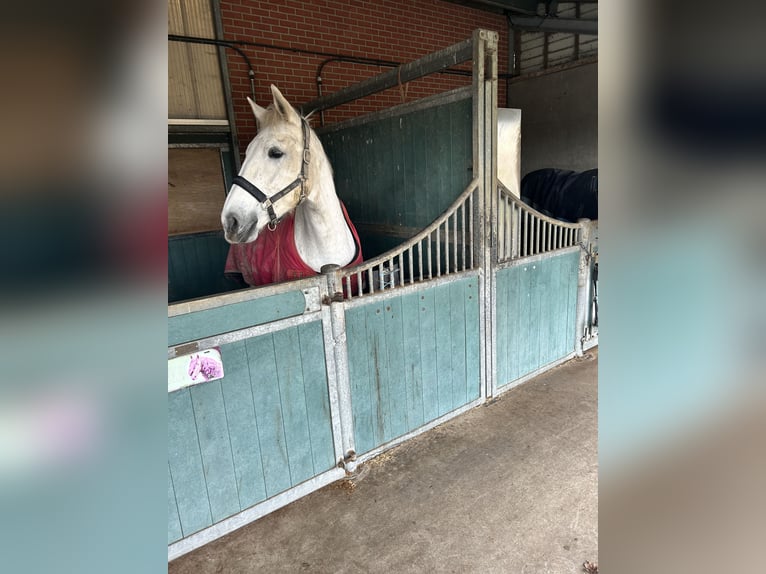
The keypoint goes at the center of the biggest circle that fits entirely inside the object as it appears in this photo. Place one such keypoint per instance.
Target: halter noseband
(268, 202)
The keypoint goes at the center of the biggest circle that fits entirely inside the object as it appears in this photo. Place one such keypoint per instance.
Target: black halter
(268, 202)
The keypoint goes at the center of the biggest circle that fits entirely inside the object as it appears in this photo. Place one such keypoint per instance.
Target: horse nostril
(232, 223)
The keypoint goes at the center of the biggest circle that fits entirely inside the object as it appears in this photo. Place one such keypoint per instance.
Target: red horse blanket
(273, 257)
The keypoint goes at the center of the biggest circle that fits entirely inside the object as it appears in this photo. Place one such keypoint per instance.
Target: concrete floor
(508, 487)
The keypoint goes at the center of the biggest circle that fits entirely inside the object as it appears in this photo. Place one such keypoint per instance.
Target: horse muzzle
(237, 231)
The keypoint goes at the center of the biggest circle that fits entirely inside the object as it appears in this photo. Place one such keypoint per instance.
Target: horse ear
(284, 108)
(258, 111)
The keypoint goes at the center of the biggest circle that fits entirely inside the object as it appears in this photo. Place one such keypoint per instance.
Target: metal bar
(470, 225)
(535, 258)
(583, 286)
(248, 333)
(429, 64)
(454, 242)
(438, 252)
(462, 227)
(342, 381)
(242, 295)
(538, 236)
(565, 25)
(420, 258)
(430, 249)
(409, 260)
(371, 278)
(446, 246)
(428, 102)
(526, 233)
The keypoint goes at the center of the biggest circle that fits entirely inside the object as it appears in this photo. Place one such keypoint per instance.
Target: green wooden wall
(403, 170)
(412, 359)
(536, 305)
(195, 265)
(262, 429)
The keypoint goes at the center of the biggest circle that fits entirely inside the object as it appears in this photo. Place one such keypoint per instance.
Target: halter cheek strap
(268, 202)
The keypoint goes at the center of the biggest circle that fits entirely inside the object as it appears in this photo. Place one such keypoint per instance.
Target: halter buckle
(306, 156)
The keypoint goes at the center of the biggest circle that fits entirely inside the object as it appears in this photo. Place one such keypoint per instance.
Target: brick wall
(393, 30)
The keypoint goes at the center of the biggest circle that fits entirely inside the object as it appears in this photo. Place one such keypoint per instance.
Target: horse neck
(322, 235)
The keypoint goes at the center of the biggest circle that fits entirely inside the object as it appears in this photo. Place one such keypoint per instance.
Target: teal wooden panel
(185, 463)
(473, 341)
(213, 433)
(428, 366)
(268, 412)
(379, 373)
(531, 319)
(199, 324)
(359, 374)
(442, 312)
(174, 523)
(412, 360)
(242, 424)
(547, 332)
(263, 428)
(535, 315)
(457, 331)
(505, 338)
(293, 400)
(317, 395)
(573, 259)
(397, 385)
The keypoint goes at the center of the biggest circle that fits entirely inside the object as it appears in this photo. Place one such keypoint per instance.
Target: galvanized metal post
(583, 285)
(485, 167)
(341, 380)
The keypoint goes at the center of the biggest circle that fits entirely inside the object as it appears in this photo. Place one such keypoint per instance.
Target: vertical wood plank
(457, 329)
(473, 340)
(293, 400)
(378, 366)
(428, 366)
(561, 312)
(213, 433)
(503, 343)
(317, 395)
(443, 348)
(527, 328)
(174, 523)
(185, 463)
(552, 311)
(395, 381)
(544, 318)
(574, 261)
(268, 412)
(359, 373)
(412, 360)
(516, 310)
(243, 428)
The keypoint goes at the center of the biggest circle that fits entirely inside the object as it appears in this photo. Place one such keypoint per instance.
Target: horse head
(273, 178)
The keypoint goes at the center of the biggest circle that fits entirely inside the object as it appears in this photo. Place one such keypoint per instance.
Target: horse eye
(275, 153)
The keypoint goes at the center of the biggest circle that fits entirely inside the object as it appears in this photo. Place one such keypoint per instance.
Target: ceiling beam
(543, 24)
